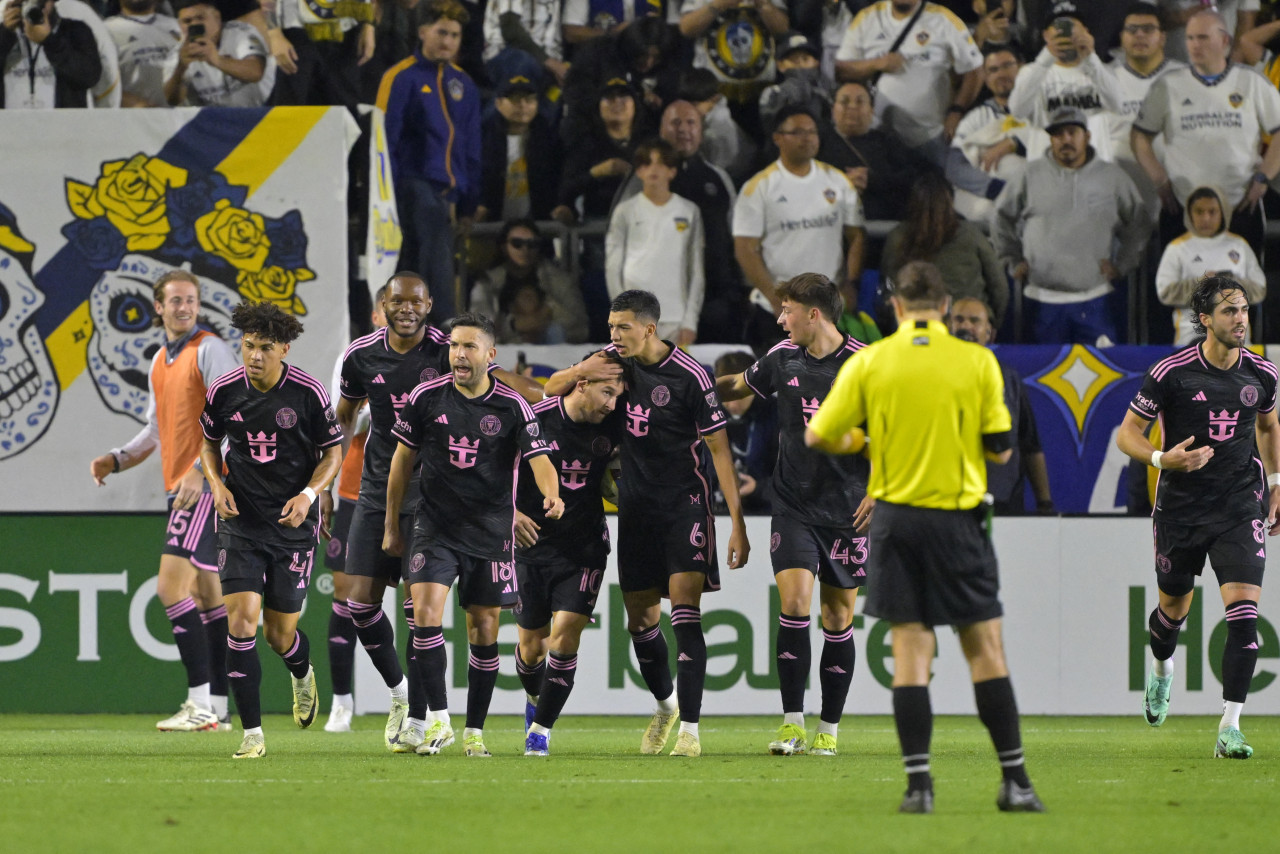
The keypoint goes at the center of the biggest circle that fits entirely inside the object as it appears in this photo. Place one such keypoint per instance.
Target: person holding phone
(48, 61)
(218, 64)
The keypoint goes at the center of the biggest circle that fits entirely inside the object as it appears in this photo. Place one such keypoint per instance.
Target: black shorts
(335, 553)
(365, 556)
(837, 556)
(190, 534)
(277, 572)
(559, 586)
(935, 567)
(482, 582)
(1236, 550)
(652, 548)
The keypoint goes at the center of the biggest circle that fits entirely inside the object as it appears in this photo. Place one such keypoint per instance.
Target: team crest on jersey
(456, 89)
(329, 414)
(660, 396)
(682, 223)
(638, 420)
(418, 562)
(712, 400)
(222, 558)
(261, 446)
(491, 424)
(1249, 395)
(286, 418)
(922, 38)
(463, 453)
(1235, 99)
(601, 446)
(1234, 256)
(830, 196)
(427, 375)
(1222, 425)
(740, 48)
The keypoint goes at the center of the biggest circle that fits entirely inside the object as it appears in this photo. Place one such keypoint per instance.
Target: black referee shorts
(935, 567)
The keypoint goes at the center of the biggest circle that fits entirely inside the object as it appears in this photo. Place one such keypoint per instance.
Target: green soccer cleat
(473, 745)
(792, 740)
(305, 698)
(1155, 702)
(438, 736)
(654, 740)
(395, 724)
(253, 747)
(687, 744)
(824, 744)
(1231, 745)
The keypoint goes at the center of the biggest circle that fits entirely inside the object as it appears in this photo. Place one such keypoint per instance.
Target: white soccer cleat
(396, 722)
(190, 718)
(339, 720)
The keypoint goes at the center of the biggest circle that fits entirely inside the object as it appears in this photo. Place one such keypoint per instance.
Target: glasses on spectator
(522, 242)
(1141, 29)
(799, 132)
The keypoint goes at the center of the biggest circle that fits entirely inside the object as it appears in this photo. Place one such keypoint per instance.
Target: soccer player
(285, 445)
(181, 372)
(560, 563)
(469, 430)
(932, 563)
(1211, 499)
(819, 506)
(666, 530)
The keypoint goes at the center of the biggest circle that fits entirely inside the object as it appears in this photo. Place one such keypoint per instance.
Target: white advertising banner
(1076, 593)
(94, 206)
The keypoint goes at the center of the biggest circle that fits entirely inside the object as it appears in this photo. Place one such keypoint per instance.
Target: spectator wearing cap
(522, 37)
(646, 54)
(433, 136)
(520, 156)
(915, 94)
(879, 164)
(1103, 18)
(1066, 228)
(800, 81)
(47, 64)
(597, 163)
(1068, 73)
(734, 39)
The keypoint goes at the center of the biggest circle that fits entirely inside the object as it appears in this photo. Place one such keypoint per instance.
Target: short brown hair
(157, 290)
(813, 290)
(666, 153)
(452, 10)
(266, 320)
(920, 287)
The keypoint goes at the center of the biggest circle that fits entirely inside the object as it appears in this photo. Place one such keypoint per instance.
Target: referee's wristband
(1155, 459)
(1273, 480)
(310, 493)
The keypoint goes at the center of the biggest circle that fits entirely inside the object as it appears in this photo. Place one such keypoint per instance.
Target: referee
(933, 407)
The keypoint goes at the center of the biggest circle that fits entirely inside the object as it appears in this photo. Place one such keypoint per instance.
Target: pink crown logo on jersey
(398, 401)
(638, 420)
(463, 453)
(261, 446)
(810, 406)
(1222, 425)
(573, 473)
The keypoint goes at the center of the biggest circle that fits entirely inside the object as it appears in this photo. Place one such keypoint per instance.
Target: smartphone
(1065, 27)
(195, 31)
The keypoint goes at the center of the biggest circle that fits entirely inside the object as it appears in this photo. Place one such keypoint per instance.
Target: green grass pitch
(99, 783)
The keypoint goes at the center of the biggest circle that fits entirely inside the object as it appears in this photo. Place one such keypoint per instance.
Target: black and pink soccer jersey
(809, 486)
(1193, 398)
(274, 442)
(580, 452)
(372, 369)
(470, 450)
(668, 408)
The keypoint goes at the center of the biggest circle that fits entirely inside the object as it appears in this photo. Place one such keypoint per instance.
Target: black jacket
(73, 52)
(892, 168)
(542, 157)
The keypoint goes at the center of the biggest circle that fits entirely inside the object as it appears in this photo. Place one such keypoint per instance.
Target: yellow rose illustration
(131, 195)
(236, 235)
(275, 285)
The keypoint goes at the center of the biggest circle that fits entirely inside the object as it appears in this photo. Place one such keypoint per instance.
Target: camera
(33, 11)
(195, 31)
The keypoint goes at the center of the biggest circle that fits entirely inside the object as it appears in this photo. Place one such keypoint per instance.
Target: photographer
(217, 64)
(49, 62)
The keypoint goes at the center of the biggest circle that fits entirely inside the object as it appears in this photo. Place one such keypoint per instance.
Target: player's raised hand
(862, 516)
(739, 548)
(1182, 458)
(526, 531)
(554, 507)
(295, 511)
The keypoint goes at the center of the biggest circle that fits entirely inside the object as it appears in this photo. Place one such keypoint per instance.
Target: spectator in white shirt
(218, 64)
(144, 40)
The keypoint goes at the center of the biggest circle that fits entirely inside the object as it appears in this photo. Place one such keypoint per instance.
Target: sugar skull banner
(94, 207)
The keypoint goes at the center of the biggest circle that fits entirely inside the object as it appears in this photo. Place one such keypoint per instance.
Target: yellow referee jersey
(926, 398)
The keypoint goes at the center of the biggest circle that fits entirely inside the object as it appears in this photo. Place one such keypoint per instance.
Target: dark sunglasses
(523, 242)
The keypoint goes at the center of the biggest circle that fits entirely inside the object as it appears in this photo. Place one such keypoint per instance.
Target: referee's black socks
(998, 712)
(913, 715)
